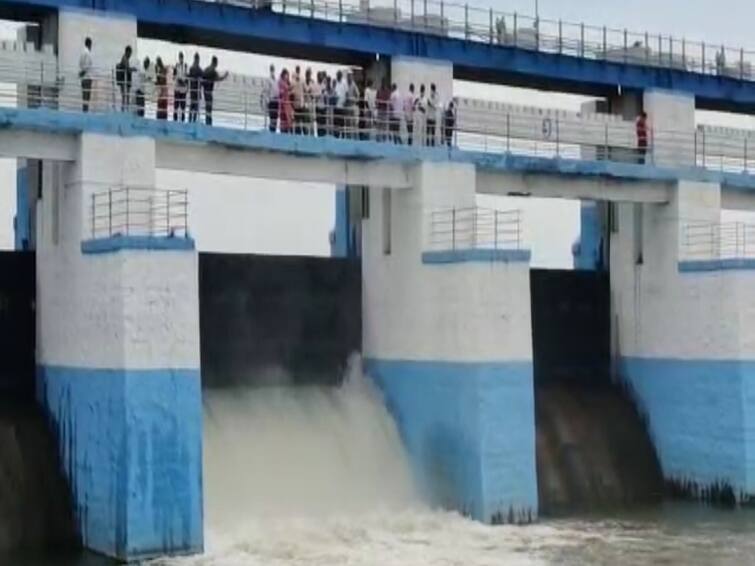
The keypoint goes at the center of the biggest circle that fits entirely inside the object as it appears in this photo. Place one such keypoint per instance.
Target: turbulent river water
(318, 477)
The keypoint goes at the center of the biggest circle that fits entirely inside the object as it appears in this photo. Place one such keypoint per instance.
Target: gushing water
(306, 476)
(302, 452)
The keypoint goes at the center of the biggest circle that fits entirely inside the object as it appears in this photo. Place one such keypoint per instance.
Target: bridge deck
(352, 40)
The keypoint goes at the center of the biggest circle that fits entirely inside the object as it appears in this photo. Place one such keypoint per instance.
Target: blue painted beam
(236, 27)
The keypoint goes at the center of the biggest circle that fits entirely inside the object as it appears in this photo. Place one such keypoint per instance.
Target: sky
(261, 216)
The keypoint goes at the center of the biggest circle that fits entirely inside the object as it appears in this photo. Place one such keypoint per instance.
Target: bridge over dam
(447, 311)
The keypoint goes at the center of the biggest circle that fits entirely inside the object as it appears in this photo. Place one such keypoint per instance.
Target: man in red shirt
(642, 137)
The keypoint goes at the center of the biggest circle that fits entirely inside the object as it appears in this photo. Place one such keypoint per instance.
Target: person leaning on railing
(209, 78)
(124, 71)
(269, 102)
(642, 137)
(449, 123)
(141, 82)
(180, 89)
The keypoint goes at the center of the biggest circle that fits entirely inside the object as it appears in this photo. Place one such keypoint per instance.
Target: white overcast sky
(256, 216)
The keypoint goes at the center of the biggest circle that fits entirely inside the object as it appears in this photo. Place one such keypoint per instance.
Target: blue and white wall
(118, 360)
(684, 336)
(450, 345)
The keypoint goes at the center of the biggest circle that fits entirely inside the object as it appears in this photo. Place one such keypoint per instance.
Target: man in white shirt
(370, 101)
(142, 78)
(86, 65)
(269, 101)
(180, 88)
(342, 91)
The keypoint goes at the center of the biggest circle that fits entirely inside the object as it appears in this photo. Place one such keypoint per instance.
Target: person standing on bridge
(180, 88)
(195, 86)
(410, 102)
(123, 74)
(297, 92)
(143, 78)
(433, 104)
(161, 84)
(341, 91)
(209, 78)
(449, 123)
(286, 105)
(85, 74)
(642, 137)
(270, 101)
(397, 109)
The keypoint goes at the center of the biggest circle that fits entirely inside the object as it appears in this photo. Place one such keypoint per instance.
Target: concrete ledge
(152, 243)
(698, 266)
(469, 428)
(476, 256)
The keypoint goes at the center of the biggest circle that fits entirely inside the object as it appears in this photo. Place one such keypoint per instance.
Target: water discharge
(302, 451)
(308, 476)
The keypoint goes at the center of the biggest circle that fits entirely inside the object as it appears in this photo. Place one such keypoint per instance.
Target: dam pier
(437, 293)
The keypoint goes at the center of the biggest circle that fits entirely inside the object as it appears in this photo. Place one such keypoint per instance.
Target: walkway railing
(139, 211)
(476, 125)
(462, 21)
(475, 228)
(716, 241)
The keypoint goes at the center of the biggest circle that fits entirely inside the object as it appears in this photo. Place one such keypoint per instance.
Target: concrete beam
(38, 145)
(221, 160)
(732, 199)
(571, 187)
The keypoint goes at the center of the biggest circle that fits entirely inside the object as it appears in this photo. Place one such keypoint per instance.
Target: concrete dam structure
(494, 375)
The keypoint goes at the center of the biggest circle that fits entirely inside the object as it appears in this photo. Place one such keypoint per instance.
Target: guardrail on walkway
(475, 228)
(476, 125)
(702, 241)
(139, 211)
(462, 21)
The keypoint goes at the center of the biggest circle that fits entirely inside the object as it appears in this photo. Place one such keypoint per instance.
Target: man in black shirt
(123, 74)
(210, 77)
(195, 81)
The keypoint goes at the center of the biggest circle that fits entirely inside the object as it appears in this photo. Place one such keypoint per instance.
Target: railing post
(453, 229)
(695, 147)
(167, 215)
(745, 153)
(605, 42)
(582, 40)
(110, 213)
(424, 17)
(128, 216)
(703, 60)
(442, 17)
(186, 213)
(537, 33)
(670, 52)
(246, 111)
(340, 11)
(626, 46)
(605, 145)
(558, 138)
(312, 8)
(704, 141)
(742, 64)
(466, 21)
(684, 54)
(94, 202)
(560, 37)
(508, 132)
(660, 49)
(412, 14)
(492, 30)
(395, 11)
(495, 229)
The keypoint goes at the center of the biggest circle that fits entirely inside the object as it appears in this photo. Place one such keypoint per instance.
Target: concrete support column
(118, 356)
(685, 336)
(447, 336)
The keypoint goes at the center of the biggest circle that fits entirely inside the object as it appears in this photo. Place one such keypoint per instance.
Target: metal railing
(139, 211)
(475, 228)
(715, 241)
(476, 125)
(462, 21)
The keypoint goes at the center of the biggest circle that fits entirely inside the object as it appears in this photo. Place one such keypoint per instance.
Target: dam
(426, 363)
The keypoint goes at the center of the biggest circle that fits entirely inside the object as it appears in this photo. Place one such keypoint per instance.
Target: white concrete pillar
(672, 122)
(685, 341)
(118, 358)
(447, 336)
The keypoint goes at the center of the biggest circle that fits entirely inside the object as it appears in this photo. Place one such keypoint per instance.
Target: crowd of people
(321, 105)
(136, 80)
(299, 103)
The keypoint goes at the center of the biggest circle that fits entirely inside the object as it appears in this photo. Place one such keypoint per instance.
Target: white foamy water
(305, 476)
